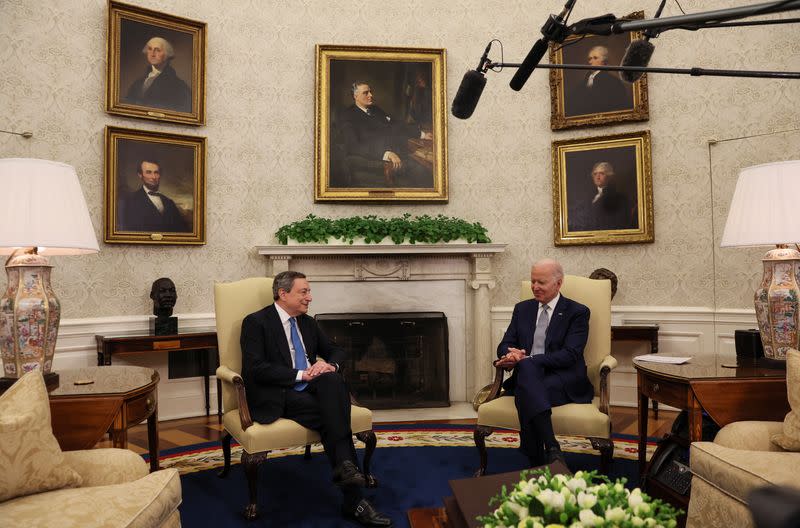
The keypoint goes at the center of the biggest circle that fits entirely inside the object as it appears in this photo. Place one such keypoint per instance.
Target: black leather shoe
(366, 514)
(347, 474)
(554, 454)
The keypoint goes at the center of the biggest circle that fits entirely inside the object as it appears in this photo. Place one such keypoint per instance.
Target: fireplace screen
(395, 360)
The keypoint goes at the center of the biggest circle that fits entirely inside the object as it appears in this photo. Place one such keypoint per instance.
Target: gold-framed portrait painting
(581, 98)
(381, 124)
(155, 187)
(603, 190)
(156, 65)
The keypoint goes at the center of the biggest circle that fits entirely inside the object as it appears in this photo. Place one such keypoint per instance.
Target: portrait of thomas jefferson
(602, 190)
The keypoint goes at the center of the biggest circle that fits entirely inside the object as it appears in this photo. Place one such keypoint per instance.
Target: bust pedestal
(164, 325)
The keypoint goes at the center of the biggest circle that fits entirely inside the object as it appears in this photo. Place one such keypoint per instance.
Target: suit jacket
(563, 345)
(137, 213)
(611, 211)
(266, 362)
(369, 136)
(607, 94)
(166, 91)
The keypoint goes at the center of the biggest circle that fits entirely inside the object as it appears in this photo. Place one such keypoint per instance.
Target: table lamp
(764, 212)
(42, 212)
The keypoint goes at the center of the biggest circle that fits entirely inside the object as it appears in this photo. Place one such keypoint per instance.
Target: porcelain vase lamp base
(776, 303)
(29, 317)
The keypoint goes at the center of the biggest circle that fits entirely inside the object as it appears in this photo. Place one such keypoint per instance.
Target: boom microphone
(468, 94)
(554, 30)
(529, 64)
(638, 53)
(471, 88)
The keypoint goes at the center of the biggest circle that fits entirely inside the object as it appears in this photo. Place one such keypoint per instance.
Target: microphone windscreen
(469, 92)
(534, 56)
(638, 53)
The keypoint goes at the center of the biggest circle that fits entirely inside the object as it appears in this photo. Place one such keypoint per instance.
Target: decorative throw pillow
(31, 460)
(790, 438)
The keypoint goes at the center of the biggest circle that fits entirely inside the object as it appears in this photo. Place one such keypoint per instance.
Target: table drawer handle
(655, 387)
(150, 404)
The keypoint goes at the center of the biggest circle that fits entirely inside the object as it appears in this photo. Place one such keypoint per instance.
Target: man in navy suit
(544, 346)
(291, 370)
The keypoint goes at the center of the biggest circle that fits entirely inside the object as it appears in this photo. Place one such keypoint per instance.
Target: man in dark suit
(544, 345)
(599, 91)
(290, 369)
(146, 209)
(160, 86)
(375, 146)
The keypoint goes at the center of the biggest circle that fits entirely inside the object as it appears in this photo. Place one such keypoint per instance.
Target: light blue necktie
(541, 332)
(300, 362)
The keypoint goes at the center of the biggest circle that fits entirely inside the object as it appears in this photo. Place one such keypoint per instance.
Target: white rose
(619, 488)
(519, 509)
(635, 499)
(615, 514)
(575, 484)
(558, 502)
(586, 500)
(546, 497)
(588, 518)
(636, 521)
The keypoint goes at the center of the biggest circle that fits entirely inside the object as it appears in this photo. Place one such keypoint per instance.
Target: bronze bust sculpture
(164, 297)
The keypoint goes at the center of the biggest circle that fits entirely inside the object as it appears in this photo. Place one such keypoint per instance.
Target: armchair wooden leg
(370, 441)
(480, 434)
(606, 448)
(226, 455)
(250, 464)
(307, 454)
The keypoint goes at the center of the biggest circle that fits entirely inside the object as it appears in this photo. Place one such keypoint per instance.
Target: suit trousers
(535, 392)
(324, 406)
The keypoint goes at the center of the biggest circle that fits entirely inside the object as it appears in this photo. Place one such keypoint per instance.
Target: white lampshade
(764, 209)
(42, 205)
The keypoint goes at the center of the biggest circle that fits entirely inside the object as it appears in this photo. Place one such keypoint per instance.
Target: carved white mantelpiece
(451, 278)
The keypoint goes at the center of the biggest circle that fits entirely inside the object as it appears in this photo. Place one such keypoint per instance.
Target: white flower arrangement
(585, 499)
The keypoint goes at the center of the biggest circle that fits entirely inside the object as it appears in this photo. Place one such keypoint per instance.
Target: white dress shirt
(287, 329)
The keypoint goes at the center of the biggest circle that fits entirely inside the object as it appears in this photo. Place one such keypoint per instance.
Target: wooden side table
(638, 332)
(91, 401)
(109, 345)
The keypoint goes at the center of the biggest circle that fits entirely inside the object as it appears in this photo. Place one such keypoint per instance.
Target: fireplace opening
(395, 360)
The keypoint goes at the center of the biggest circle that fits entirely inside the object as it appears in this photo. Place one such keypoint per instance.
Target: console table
(144, 341)
(91, 401)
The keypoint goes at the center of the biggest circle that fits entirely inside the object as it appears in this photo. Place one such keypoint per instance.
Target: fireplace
(396, 360)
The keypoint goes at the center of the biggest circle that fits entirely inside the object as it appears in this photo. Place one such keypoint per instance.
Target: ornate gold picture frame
(582, 98)
(603, 190)
(381, 124)
(155, 188)
(156, 66)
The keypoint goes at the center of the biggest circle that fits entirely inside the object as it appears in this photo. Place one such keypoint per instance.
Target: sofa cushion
(790, 438)
(146, 502)
(31, 460)
(736, 471)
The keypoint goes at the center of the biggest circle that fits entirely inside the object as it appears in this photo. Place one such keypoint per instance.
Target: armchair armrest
(606, 366)
(497, 384)
(226, 375)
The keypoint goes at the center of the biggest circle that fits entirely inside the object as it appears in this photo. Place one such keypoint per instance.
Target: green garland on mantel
(372, 229)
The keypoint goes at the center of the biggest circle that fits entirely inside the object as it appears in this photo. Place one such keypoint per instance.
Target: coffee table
(91, 401)
(470, 499)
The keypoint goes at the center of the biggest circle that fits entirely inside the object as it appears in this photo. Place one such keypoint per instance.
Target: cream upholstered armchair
(42, 486)
(590, 419)
(744, 456)
(232, 303)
